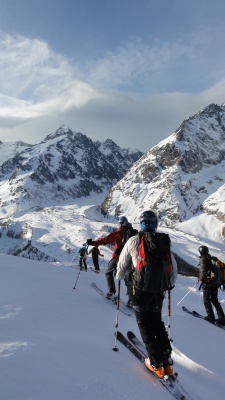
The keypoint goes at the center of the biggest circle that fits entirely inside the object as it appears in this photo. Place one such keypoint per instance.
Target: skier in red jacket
(118, 238)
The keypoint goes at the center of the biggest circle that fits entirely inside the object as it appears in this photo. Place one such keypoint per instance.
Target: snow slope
(56, 343)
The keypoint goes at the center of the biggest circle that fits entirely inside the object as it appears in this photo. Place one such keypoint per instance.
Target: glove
(89, 242)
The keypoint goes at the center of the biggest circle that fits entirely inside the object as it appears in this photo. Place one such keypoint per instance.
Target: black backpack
(154, 267)
(82, 252)
(127, 234)
(215, 276)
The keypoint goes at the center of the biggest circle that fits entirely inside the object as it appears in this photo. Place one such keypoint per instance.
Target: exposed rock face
(180, 177)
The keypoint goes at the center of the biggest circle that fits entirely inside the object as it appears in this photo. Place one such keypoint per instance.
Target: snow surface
(56, 342)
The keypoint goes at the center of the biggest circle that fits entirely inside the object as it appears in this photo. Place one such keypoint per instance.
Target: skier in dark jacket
(95, 253)
(82, 256)
(210, 289)
(118, 238)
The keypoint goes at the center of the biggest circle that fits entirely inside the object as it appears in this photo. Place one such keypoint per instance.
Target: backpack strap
(142, 256)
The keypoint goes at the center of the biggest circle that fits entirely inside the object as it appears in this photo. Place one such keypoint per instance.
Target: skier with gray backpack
(155, 272)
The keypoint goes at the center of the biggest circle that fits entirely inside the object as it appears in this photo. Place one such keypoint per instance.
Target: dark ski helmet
(203, 250)
(148, 221)
(123, 221)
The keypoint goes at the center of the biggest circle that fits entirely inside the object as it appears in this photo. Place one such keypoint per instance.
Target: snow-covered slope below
(56, 343)
(56, 233)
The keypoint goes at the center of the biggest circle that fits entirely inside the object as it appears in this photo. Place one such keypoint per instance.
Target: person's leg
(218, 307)
(96, 264)
(149, 338)
(208, 306)
(110, 276)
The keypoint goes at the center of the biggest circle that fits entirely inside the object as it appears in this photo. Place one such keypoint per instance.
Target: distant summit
(66, 165)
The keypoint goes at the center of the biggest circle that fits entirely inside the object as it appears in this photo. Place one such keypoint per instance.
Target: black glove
(89, 242)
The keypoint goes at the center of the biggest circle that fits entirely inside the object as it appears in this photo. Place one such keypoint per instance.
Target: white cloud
(41, 90)
(28, 67)
(184, 62)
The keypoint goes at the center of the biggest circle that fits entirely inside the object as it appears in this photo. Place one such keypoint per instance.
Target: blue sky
(131, 70)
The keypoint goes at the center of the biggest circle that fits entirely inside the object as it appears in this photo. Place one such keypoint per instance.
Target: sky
(129, 70)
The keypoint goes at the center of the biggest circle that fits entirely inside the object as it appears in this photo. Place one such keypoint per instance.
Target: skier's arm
(99, 253)
(128, 257)
(109, 239)
(204, 272)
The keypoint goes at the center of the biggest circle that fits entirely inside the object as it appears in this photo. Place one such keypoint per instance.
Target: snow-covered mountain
(48, 189)
(11, 149)
(64, 166)
(37, 180)
(179, 178)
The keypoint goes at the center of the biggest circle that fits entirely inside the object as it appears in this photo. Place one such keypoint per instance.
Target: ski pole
(117, 317)
(76, 280)
(187, 294)
(169, 314)
(73, 259)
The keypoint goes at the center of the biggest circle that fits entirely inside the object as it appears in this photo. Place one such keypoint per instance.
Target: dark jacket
(95, 252)
(206, 272)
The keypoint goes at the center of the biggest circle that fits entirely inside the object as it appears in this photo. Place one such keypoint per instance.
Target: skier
(118, 238)
(95, 252)
(147, 301)
(82, 256)
(210, 288)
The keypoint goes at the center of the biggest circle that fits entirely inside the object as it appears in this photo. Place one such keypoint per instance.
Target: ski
(94, 270)
(197, 315)
(169, 382)
(122, 306)
(133, 338)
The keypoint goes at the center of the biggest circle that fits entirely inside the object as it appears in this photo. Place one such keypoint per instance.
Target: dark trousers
(95, 262)
(211, 297)
(148, 310)
(83, 260)
(110, 275)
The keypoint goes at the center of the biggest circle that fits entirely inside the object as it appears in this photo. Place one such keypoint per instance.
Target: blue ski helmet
(123, 221)
(84, 245)
(148, 221)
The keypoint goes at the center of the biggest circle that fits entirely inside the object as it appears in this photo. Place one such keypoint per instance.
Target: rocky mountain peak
(176, 177)
(66, 165)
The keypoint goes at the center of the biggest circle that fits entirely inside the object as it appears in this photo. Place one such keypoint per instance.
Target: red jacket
(115, 238)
